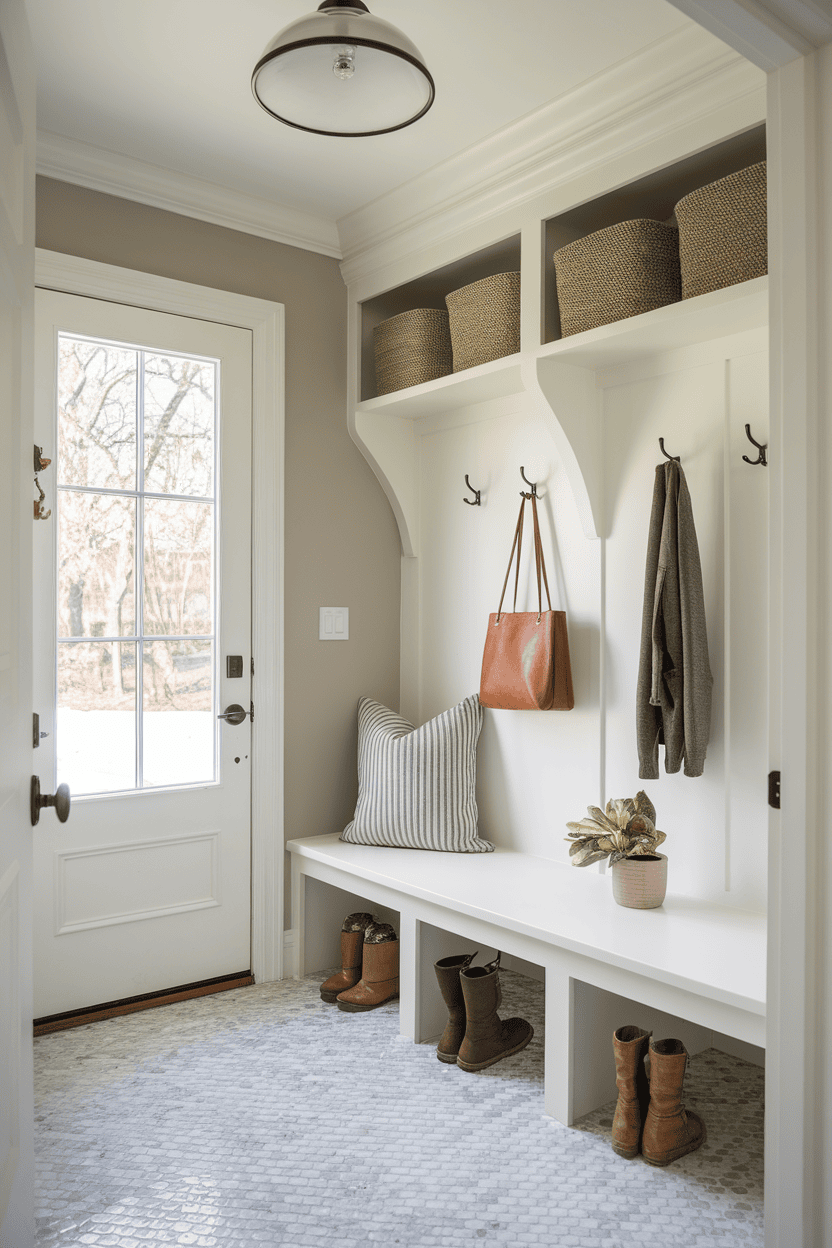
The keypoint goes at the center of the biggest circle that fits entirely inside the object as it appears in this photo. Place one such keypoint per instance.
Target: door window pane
(96, 718)
(179, 724)
(96, 414)
(179, 426)
(178, 561)
(96, 541)
(138, 713)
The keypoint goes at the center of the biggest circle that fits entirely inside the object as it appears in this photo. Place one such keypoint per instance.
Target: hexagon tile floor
(265, 1117)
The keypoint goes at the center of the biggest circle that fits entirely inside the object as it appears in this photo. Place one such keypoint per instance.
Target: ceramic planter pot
(640, 883)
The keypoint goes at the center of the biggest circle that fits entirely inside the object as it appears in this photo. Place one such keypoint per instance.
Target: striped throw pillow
(417, 786)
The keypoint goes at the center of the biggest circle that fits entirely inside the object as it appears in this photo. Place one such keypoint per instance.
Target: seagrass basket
(620, 271)
(485, 320)
(412, 347)
(723, 237)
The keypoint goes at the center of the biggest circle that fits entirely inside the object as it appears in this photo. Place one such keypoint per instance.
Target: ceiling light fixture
(343, 72)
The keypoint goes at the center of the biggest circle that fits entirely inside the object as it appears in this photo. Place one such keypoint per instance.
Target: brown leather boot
(352, 939)
(379, 972)
(670, 1130)
(630, 1048)
(447, 972)
(487, 1038)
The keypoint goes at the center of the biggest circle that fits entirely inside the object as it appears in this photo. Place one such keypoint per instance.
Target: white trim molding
(769, 35)
(290, 953)
(74, 275)
(209, 842)
(680, 80)
(68, 160)
(799, 1022)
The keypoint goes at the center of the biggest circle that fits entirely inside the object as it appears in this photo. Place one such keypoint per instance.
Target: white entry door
(142, 639)
(17, 257)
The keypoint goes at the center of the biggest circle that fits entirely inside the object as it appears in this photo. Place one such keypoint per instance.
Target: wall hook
(528, 482)
(676, 458)
(40, 514)
(40, 464)
(761, 458)
(475, 502)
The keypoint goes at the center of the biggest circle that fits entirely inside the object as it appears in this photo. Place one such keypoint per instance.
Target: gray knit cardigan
(673, 700)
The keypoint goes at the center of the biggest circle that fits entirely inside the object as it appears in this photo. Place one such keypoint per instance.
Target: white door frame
(790, 39)
(78, 276)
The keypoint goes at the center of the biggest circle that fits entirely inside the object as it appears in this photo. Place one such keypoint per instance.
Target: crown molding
(769, 35)
(686, 77)
(69, 160)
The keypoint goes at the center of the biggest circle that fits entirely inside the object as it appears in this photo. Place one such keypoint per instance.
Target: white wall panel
(539, 769)
(536, 769)
(716, 824)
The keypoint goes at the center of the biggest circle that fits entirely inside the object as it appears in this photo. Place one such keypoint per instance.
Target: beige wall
(342, 547)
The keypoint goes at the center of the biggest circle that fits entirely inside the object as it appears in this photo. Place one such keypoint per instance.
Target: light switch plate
(334, 624)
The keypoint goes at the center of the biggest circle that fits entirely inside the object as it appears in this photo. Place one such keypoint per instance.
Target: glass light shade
(341, 71)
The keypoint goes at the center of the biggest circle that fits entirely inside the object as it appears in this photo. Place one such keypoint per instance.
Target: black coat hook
(676, 458)
(528, 482)
(475, 502)
(761, 458)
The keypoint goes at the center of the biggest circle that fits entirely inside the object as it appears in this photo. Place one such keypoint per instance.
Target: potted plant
(627, 835)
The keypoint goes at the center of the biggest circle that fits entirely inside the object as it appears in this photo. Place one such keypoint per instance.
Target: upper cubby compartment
(429, 291)
(654, 196)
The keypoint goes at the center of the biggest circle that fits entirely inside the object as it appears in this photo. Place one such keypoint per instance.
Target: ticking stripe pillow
(417, 786)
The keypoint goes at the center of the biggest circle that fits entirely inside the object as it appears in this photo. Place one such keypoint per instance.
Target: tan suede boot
(379, 971)
(630, 1048)
(352, 940)
(447, 972)
(488, 1039)
(670, 1131)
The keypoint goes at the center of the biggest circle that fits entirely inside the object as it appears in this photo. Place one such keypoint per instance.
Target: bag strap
(516, 544)
(540, 563)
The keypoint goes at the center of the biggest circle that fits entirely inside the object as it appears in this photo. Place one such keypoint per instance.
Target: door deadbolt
(60, 799)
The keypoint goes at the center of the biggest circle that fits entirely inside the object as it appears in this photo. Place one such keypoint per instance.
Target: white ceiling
(167, 82)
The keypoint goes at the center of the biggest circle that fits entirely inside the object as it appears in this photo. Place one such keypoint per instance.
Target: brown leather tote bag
(525, 663)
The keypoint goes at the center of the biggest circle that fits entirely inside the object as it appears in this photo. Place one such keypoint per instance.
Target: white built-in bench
(693, 960)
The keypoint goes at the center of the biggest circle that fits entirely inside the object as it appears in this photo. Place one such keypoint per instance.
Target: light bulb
(343, 66)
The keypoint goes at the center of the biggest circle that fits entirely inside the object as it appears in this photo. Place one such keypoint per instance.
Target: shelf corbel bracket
(389, 445)
(569, 402)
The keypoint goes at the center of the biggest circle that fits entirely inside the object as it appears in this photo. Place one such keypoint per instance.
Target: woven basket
(485, 320)
(620, 271)
(412, 347)
(722, 232)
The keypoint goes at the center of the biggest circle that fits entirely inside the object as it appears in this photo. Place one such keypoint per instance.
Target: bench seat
(692, 959)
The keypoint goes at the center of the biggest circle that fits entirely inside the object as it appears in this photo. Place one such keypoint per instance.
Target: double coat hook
(530, 484)
(761, 458)
(475, 501)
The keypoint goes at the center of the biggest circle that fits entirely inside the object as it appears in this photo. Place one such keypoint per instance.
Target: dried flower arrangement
(627, 830)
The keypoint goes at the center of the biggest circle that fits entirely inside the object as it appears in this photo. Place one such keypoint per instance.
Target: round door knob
(60, 799)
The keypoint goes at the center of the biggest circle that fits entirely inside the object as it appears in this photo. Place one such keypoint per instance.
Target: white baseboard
(290, 953)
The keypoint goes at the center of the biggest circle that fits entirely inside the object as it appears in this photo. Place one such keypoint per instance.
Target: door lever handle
(60, 799)
(235, 714)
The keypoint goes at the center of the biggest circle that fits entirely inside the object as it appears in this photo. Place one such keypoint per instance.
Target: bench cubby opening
(327, 907)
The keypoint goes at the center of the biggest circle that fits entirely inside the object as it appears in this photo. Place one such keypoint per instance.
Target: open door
(17, 264)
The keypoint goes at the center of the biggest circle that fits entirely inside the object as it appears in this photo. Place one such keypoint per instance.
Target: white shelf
(560, 379)
(715, 315)
(494, 380)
